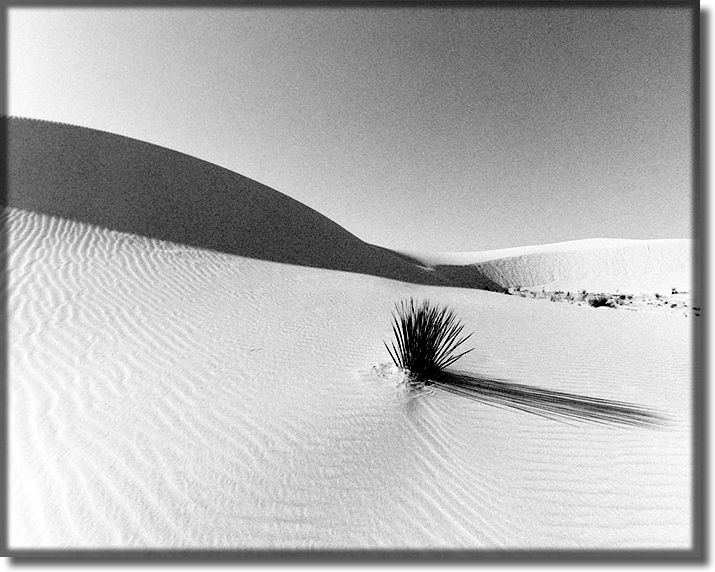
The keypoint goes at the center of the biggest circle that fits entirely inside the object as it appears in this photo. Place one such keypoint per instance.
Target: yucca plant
(426, 338)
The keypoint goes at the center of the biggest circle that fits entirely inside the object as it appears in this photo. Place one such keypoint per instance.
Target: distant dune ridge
(128, 185)
(601, 264)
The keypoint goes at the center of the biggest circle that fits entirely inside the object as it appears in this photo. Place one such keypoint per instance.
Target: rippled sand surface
(163, 396)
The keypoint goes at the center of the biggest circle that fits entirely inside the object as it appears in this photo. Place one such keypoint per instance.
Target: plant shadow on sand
(427, 338)
(554, 405)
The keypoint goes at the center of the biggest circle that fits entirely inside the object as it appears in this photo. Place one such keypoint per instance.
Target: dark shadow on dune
(468, 276)
(127, 185)
(554, 405)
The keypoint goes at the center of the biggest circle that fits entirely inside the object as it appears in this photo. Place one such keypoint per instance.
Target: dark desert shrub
(600, 301)
(426, 338)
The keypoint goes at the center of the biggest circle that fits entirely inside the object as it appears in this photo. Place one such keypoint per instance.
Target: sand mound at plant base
(165, 396)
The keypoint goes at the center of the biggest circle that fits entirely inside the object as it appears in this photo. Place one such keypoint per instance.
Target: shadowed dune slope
(456, 276)
(131, 186)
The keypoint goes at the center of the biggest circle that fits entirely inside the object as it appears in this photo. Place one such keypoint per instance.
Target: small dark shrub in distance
(426, 338)
(600, 301)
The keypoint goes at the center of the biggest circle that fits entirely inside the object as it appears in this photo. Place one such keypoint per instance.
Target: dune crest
(123, 184)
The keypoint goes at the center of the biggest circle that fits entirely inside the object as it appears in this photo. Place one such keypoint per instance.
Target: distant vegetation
(677, 301)
(600, 302)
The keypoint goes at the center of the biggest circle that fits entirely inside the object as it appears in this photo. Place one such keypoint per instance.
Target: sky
(418, 129)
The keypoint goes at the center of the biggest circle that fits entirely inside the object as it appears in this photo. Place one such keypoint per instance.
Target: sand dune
(165, 396)
(594, 265)
(196, 361)
(128, 185)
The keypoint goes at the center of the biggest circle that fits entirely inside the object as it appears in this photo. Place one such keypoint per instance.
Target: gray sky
(414, 128)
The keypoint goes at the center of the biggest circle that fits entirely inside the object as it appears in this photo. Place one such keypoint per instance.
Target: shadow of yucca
(427, 338)
(546, 403)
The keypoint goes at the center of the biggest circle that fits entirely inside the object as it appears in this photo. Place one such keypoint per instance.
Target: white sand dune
(164, 395)
(594, 265)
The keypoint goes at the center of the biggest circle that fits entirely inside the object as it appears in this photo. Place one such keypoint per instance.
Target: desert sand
(196, 361)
